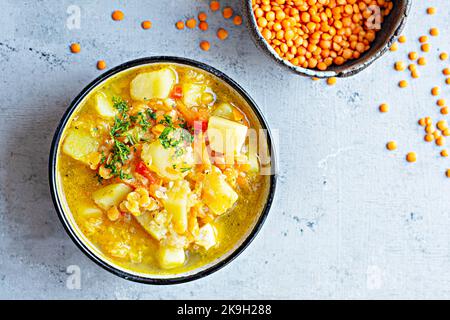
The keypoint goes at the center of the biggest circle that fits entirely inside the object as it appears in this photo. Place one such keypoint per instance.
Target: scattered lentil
(214, 5)
(384, 107)
(203, 25)
(228, 13)
(146, 24)
(117, 15)
(413, 55)
(205, 46)
(425, 47)
(400, 66)
(434, 32)
(421, 61)
(391, 145)
(75, 48)
(331, 81)
(202, 16)
(411, 157)
(222, 34)
(180, 25)
(191, 23)
(237, 20)
(101, 65)
(435, 91)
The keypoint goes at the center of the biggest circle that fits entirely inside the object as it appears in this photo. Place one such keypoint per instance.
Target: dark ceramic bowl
(390, 30)
(79, 239)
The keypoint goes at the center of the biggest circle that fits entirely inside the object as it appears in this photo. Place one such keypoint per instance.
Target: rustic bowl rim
(350, 71)
(215, 266)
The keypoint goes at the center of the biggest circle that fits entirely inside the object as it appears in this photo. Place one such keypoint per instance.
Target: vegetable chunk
(192, 94)
(89, 211)
(226, 136)
(155, 84)
(155, 223)
(224, 110)
(111, 195)
(165, 162)
(79, 144)
(176, 205)
(218, 195)
(206, 237)
(170, 258)
(104, 107)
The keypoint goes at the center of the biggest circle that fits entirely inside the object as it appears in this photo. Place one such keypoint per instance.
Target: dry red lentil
(75, 48)
(205, 46)
(391, 145)
(146, 24)
(101, 65)
(411, 157)
(180, 25)
(117, 15)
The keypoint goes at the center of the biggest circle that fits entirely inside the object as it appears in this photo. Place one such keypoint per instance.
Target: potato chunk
(111, 195)
(169, 257)
(166, 162)
(154, 84)
(224, 110)
(176, 205)
(226, 136)
(89, 211)
(206, 237)
(79, 144)
(104, 106)
(155, 223)
(218, 195)
(192, 94)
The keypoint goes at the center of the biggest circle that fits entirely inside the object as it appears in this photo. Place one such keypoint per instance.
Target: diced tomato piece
(177, 92)
(204, 125)
(142, 169)
(200, 126)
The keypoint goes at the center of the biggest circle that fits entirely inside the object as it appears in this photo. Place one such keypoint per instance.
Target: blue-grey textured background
(350, 220)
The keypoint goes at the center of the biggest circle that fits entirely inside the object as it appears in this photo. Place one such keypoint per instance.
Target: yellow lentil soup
(155, 170)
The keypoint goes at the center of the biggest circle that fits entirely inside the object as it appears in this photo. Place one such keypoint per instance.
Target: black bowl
(390, 31)
(151, 279)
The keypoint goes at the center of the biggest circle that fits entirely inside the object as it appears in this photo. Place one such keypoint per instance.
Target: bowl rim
(63, 216)
(352, 70)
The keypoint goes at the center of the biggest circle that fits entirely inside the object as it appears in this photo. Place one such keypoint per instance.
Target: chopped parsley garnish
(166, 138)
(150, 114)
(120, 127)
(124, 176)
(143, 121)
(120, 105)
(167, 120)
(175, 138)
(121, 150)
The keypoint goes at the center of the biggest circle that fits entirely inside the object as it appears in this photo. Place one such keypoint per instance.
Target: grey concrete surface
(350, 220)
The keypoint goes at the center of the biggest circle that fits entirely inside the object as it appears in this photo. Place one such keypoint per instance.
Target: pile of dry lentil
(435, 130)
(315, 34)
